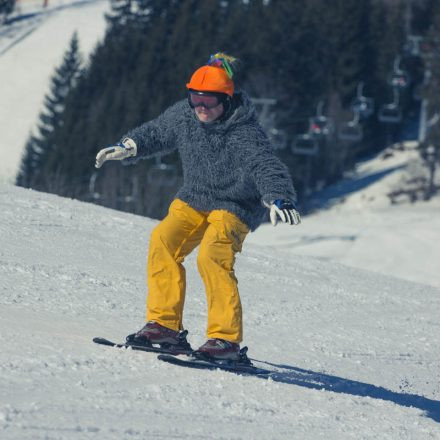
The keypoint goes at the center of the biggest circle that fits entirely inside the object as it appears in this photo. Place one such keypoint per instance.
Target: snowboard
(134, 346)
(241, 367)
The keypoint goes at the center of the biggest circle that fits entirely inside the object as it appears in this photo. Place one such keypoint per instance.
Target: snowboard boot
(154, 333)
(219, 349)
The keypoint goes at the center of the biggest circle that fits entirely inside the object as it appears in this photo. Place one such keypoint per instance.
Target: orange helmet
(214, 77)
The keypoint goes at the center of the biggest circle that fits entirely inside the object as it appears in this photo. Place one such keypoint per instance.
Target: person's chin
(204, 117)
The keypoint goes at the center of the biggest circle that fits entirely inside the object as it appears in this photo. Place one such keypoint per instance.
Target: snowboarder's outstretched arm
(124, 149)
(285, 210)
(272, 179)
(154, 137)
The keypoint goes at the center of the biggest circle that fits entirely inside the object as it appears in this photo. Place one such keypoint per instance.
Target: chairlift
(278, 138)
(390, 114)
(134, 191)
(398, 78)
(265, 104)
(162, 173)
(430, 48)
(362, 105)
(93, 193)
(267, 121)
(320, 125)
(305, 144)
(351, 131)
(412, 45)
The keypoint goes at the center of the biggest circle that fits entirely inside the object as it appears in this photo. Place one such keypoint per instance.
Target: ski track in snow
(355, 352)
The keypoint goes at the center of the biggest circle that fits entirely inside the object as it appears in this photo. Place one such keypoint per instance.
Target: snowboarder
(231, 176)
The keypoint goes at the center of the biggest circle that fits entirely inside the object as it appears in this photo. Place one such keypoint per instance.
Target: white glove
(285, 210)
(126, 148)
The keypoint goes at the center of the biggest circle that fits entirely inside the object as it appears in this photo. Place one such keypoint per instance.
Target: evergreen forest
(332, 80)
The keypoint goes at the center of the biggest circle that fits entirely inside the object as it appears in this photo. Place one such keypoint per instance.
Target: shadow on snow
(324, 198)
(321, 381)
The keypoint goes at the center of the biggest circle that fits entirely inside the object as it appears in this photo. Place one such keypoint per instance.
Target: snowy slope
(25, 68)
(358, 226)
(356, 353)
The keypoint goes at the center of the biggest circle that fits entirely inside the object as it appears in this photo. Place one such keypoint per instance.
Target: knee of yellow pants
(216, 259)
(171, 240)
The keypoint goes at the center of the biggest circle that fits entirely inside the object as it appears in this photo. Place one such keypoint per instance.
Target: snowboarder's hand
(284, 210)
(124, 149)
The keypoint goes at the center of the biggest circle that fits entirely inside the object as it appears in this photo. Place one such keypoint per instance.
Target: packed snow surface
(355, 354)
(358, 226)
(344, 308)
(30, 49)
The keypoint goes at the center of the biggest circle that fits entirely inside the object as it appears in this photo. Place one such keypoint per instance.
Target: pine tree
(6, 7)
(430, 148)
(35, 169)
(121, 13)
(299, 52)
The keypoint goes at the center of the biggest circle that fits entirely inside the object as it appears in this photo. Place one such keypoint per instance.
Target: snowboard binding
(182, 347)
(241, 361)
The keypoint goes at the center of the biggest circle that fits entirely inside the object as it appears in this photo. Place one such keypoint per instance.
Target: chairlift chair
(430, 48)
(162, 174)
(133, 185)
(412, 45)
(278, 138)
(351, 131)
(93, 193)
(265, 104)
(362, 105)
(320, 126)
(305, 144)
(128, 198)
(399, 78)
(390, 114)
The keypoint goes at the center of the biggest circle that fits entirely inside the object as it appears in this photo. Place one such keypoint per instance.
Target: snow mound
(360, 227)
(354, 352)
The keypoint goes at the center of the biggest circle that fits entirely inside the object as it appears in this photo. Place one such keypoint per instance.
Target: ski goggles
(208, 100)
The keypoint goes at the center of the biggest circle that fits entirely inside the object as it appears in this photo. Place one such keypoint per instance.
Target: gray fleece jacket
(227, 164)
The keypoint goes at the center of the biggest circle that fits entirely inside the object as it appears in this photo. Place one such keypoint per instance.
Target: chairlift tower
(277, 136)
(162, 174)
(131, 197)
(266, 104)
(93, 193)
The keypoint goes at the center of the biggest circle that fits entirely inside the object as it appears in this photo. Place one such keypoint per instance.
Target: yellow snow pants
(220, 235)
